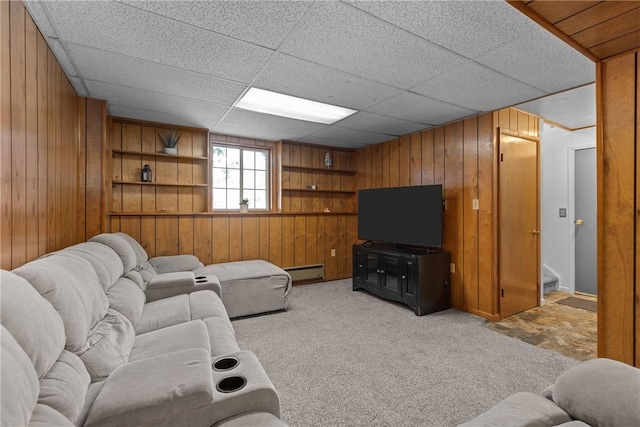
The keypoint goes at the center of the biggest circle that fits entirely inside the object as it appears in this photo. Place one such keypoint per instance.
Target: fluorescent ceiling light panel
(264, 101)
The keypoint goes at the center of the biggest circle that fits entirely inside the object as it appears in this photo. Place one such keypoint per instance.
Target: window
(239, 173)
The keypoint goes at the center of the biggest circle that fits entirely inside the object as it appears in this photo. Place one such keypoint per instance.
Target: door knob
(578, 222)
(535, 232)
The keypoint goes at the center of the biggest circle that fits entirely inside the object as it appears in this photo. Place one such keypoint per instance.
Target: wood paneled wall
(618, 88)
(170, 222)
(43, 126)
(461, 157)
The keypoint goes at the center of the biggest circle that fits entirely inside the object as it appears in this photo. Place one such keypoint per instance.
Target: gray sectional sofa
(246, 287)
(599, 392)
(82, 345)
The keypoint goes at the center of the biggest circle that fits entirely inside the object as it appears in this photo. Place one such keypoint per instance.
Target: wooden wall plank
(43, 123)
(454, 218)
(330, 242)
(404, 161)
(288, 239)
(250, 237)
(428, 161)
(31, 138)
(486, 250)
(147, 235)
(416, 158)
(299, 241)
(264, 238)
(470, 216)
(394, 163)
(311, 240)
(5, 132)
(186, 235)
(202, 242)
(275, 240)
(166, 235)
(220, 239)
(235, 239)
(616, 297)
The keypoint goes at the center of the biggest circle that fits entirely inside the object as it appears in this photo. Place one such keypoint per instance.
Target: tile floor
(567, 330)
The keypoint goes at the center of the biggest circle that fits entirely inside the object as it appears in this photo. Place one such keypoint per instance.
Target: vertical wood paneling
(6, 145)
(486, 250)
(288, 241)
(416, 159)
(618, 273)
(42, 175)
(470, 216)
(166, 235)
(404, 161)
(235, 239)
(250, 237)
(202, 242)
(394, 163)
(275, 240)
(454, 214)
(428, 161)
(220, 239)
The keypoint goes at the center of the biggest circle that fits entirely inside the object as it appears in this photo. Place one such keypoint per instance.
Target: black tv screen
(409, 216)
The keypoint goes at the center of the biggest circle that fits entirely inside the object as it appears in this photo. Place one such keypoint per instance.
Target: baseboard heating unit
(306, 272)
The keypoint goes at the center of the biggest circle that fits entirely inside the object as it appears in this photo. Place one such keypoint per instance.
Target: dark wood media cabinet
(416, 277)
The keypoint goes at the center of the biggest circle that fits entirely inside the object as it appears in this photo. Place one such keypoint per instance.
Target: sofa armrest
(156, 390)
(172, 280)
(169, 264)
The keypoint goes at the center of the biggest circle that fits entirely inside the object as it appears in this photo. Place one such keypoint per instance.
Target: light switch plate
(562, 212)
(476, 204)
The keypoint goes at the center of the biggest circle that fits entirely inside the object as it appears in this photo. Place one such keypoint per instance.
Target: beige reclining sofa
(82, 346)
(246, 287)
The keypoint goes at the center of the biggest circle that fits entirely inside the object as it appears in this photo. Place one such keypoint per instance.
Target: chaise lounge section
(246, 287)
(81, 346)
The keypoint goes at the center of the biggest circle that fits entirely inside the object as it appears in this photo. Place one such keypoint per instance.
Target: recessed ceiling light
(264, 101)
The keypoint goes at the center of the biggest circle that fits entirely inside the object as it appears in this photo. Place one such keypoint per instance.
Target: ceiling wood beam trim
(532, 14)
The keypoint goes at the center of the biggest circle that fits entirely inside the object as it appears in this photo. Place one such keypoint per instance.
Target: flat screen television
(411, 216)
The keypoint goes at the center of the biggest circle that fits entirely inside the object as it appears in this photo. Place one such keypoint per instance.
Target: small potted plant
(244, 206)
(170, 141)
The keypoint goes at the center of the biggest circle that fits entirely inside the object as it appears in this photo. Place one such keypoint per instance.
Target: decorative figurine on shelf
(328, 161)
(244, 206)
(146, 174)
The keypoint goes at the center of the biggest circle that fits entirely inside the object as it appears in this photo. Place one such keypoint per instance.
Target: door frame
(498, 203)
(571, 207)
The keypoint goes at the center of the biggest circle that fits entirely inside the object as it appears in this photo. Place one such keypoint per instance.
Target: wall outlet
(333, 252)
(452, 267)
(476, 204)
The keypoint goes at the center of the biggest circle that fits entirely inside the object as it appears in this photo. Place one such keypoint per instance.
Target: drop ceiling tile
(351, 136)
(320, 83)
(469, 28)
(244, 131)
(154, 116)
(265, 23)
(543, 61)
(339, 36)
(253, 120)
(421, 109)
(154, 101)
(122, 70)
(329, 142)
(370, 122)
(117, 27)
(575, 108)
(478, 88)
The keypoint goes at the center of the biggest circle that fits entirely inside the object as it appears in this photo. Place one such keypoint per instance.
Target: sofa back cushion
(19, 382)
(35, 368)
(127, 298)
(600, 392)
(146, 270)
(104, 260)
(120, 246)
(32, 321)
(71, 285)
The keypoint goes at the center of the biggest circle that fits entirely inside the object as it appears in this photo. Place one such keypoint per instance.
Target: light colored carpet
(344, 358)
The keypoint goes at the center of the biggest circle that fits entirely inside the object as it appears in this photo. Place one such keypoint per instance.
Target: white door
(585, 221)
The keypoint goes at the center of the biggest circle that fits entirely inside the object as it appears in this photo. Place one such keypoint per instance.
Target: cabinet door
(372, 271)
(409, 277)
(390, 273)
(359, 266)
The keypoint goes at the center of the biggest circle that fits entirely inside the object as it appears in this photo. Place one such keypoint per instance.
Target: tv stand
(418, 278)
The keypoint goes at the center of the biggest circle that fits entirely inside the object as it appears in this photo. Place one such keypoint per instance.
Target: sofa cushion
(169, 264)
(32, 321)
(162, 313)
(46, 416)
(600, 392)
(126, 298)
(121, 246)
(18, 382)
(138, 395)
(64, 387)
(104, 260)
(174, 338)
(252, 419)
(146, 270)
(221, 336)
(71, 285)
(108, 345)
(521, 410)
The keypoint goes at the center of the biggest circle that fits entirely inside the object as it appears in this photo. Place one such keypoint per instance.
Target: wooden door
(518, 211)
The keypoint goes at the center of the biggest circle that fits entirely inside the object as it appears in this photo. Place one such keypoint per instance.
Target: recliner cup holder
(231, 384)
(200, 277)
(201, 281)
(225, 363)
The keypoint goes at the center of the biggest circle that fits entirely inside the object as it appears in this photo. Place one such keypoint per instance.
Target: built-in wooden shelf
(165, 184)
(230, 213)
(310, 169)
(141, 153)
(319, 191)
